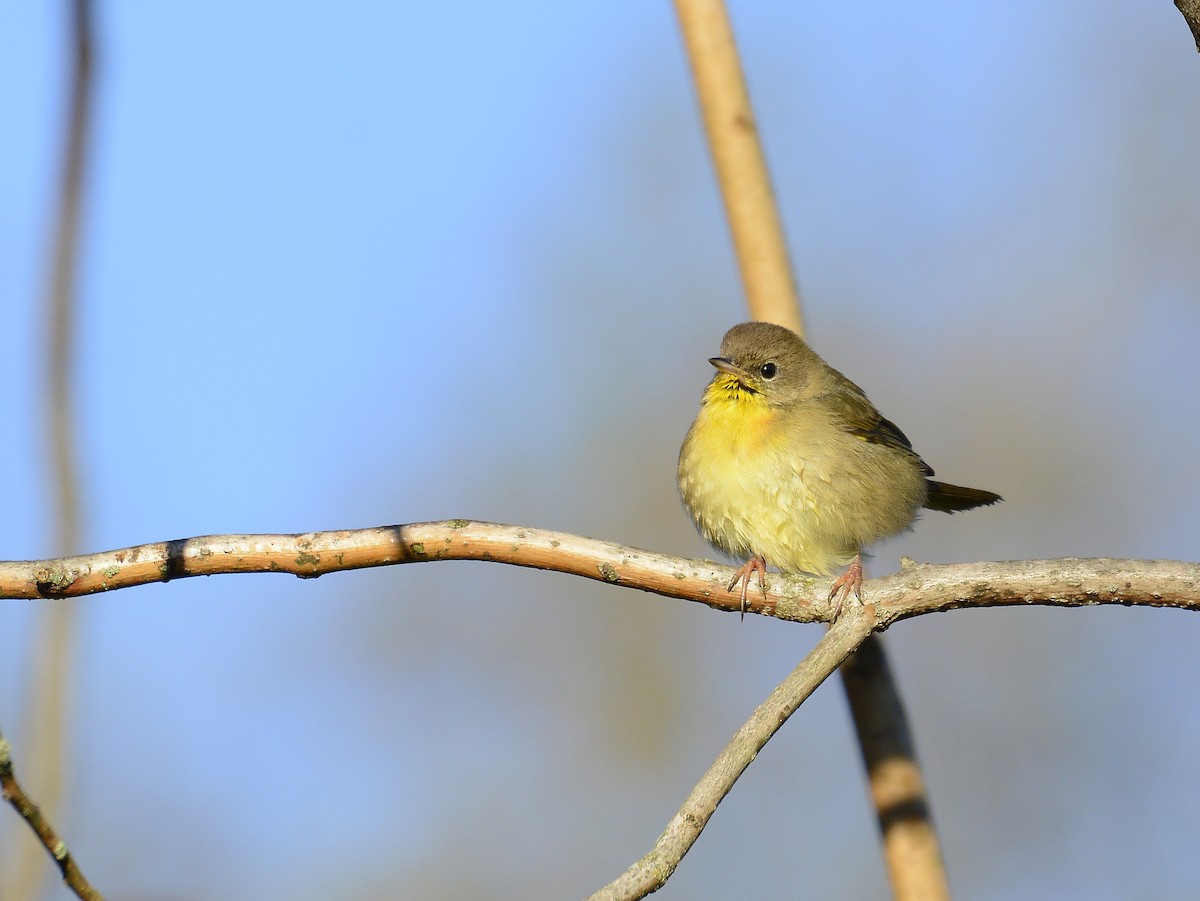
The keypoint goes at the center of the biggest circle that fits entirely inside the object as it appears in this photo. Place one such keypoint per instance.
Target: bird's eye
(767, 371)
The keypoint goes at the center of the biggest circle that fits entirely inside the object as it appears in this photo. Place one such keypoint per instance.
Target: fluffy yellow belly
(755, 487)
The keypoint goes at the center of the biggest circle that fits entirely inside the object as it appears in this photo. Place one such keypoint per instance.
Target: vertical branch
(910, 846)
(50, 683)
(741, 167)
(61, 289)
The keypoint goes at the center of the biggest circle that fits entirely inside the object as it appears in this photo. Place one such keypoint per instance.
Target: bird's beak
(725, 365)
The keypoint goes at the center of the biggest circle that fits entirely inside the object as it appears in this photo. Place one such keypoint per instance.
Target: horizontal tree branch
(916, 589)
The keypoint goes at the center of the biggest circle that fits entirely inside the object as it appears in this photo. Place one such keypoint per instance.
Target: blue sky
(356, 266)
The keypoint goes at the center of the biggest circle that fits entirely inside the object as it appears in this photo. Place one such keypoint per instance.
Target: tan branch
(915, 590)
(741, 167)
(771, 295)
(653, 870)
(15, 795)
(317, 553)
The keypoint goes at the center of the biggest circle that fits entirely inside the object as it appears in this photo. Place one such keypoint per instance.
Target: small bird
(789, 463)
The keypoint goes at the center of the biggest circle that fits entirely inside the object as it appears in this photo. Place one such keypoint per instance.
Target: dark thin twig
(1191, 14)
(15, 795)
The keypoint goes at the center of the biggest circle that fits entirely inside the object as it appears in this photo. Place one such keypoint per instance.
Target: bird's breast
(800, 492)
(750, 491)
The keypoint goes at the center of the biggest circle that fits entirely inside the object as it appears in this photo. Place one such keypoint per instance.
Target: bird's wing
(864, 421)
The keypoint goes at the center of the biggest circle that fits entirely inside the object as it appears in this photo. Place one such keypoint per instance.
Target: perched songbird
(789, 464)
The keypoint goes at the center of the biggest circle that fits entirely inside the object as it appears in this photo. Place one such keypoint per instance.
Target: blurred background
(357, 265)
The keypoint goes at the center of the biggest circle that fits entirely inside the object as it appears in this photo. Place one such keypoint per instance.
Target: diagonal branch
(651, 872)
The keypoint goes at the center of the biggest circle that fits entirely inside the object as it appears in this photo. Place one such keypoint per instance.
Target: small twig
(652, 871)
(741, 168)
(1191, 13)
(910, 845)
(15, 795)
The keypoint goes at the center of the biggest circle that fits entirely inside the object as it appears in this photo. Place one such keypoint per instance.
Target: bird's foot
(755, 564)
(850, 580)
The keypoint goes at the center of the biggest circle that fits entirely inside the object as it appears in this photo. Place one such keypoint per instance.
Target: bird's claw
(850, 580)
(749, 568)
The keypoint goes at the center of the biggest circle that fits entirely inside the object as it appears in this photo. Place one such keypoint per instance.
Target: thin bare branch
(652, 871)
(915, 590)
(741, 167)
(15, 795)
(317, 553)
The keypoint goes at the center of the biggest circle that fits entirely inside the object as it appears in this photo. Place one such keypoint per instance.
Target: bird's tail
(952, 498)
